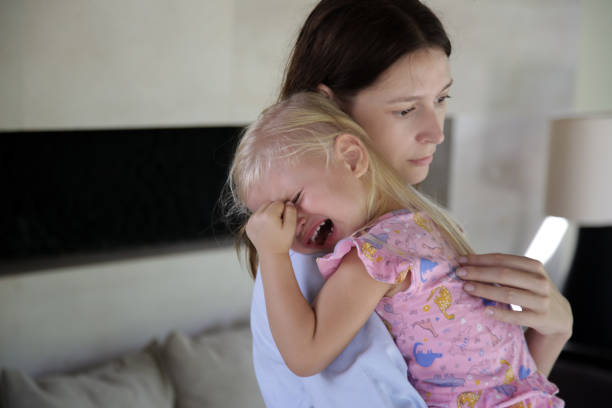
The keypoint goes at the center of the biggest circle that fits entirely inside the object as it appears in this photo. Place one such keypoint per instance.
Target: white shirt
(370, 372)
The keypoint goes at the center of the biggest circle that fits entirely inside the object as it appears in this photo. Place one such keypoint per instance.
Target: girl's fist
(272, 227)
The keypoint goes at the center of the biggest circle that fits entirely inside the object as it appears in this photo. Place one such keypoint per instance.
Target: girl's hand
(524, 282)
(272, 228)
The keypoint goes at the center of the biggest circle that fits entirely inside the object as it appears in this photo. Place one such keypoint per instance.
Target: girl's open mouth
(321, 233)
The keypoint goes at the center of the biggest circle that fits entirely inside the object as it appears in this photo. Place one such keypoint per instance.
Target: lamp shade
(580, 170)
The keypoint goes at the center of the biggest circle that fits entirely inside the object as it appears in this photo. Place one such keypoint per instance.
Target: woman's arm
(524, 282)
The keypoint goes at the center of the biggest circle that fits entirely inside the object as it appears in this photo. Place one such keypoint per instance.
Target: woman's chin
(417, 175)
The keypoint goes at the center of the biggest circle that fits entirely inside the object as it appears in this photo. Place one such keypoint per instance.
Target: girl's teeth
(318, 230)
(316, 233)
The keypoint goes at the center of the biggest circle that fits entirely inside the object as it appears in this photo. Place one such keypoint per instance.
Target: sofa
(210, 369)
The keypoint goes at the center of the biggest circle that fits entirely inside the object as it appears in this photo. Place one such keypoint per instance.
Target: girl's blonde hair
(308, 123)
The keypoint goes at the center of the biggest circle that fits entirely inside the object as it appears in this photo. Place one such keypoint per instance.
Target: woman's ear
(325, 91)
(351, 152)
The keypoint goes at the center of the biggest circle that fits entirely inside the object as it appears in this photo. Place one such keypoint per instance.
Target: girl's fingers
(289, 215)
(266, 209)
(275, 209)
(272, 227)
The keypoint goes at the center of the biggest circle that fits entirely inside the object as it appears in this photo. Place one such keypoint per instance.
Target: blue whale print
(424, 359)
(449, 380)
(426, 266)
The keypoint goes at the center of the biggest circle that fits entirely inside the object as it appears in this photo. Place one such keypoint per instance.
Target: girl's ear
(325, 91)
(352, 153)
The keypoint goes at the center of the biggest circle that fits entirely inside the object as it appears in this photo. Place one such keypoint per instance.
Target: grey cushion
(214, 369)
(133, 381)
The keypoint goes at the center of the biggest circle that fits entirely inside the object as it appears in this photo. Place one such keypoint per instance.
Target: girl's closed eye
(297, 197)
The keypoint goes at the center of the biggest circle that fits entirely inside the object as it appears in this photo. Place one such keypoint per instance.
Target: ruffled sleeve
(392, 248)
(383, 263)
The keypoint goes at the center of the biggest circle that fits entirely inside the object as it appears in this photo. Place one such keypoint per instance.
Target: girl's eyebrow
(413, 98)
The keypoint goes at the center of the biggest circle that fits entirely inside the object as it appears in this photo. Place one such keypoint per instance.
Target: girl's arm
(524, 282)
(309, 337)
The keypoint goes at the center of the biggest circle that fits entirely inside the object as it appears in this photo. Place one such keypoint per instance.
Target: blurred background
(76, 66)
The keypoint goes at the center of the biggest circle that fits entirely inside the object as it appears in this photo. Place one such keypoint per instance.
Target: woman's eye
(405, 112)
(443, 99)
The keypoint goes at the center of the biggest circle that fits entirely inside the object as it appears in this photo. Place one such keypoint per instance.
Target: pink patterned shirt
(454, 350)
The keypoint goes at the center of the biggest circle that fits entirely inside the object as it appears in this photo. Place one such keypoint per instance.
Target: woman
(385, 62)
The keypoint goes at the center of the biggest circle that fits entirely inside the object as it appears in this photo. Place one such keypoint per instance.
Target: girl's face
(330, 201)
(403, 111)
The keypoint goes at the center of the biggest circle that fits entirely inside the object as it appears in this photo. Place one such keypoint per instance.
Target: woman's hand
(524, 282)
(272, 228)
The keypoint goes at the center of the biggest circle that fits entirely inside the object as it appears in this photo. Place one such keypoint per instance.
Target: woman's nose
(432, 128)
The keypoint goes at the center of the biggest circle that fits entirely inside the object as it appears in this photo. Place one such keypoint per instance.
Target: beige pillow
(214, 369)
(130, 382)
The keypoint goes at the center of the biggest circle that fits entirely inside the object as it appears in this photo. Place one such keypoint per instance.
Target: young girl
(309, 176)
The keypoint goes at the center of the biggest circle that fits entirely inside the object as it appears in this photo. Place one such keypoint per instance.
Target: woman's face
(403, 111)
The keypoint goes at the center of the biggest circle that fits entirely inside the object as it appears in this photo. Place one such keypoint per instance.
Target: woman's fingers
(517, 280)
(509, 295)
(505, 276)
(524, 318)
(508, 279)
(504, 261)
(522, 281)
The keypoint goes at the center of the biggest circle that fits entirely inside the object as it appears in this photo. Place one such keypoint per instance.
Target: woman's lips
(424, 161)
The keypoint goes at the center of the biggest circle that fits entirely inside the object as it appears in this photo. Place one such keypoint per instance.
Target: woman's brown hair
(347, 44)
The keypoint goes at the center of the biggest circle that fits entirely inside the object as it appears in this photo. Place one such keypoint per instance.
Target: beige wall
(71, 64)
(594, 82)
(511, 77)
(114, 63)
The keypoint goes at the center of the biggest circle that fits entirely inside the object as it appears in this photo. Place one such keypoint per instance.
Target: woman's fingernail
(462, 272)
(462, 259)
(469, 287)
(489, 311)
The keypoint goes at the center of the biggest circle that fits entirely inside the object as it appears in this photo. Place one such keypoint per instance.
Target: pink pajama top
(455, 352)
